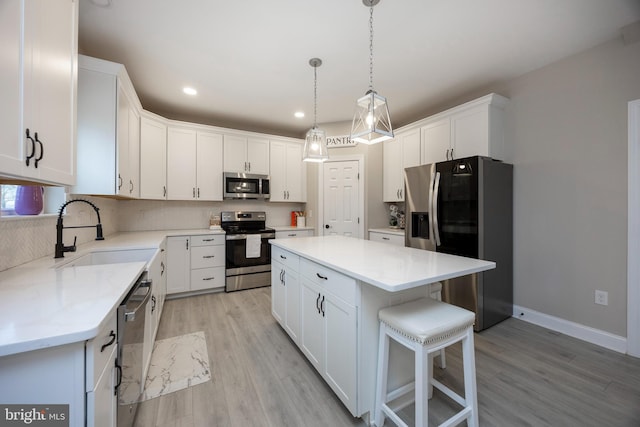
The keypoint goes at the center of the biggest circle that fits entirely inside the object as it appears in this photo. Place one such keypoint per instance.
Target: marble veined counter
(44, 305)
(390, 268)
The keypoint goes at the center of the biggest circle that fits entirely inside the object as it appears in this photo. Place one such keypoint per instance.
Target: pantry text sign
(340, 141)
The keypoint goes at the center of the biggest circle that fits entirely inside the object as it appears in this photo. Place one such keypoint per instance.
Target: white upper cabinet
(287, 181)
(474, 128)
(246, 154)
(194, 169)
(153, 158)
(108, 130)
(399, 153)
(38, 85)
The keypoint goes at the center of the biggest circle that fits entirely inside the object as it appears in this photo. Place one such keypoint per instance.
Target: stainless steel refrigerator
(465, 207)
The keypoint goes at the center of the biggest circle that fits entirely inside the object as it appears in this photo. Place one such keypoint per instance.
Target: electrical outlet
(602, 297)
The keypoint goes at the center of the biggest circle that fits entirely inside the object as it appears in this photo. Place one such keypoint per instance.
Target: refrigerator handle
(434, 208)
(431, 183)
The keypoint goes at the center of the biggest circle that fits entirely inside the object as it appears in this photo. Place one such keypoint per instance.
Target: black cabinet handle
(283, 257)
(33, 147)
(162, 265)
(41, 150)
(115, 389)
(318, 303)
(119, 182)
(153, 303)
(130, 186)
(209, 278)
(321, 276)
(322, 305)
(187, 244)
(164, 191)
(111, 341)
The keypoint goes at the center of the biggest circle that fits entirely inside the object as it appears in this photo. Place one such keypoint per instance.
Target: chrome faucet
(60, 247)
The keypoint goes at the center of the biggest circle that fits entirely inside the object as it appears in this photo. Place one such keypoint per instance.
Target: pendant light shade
(371, 122)
(315, 142)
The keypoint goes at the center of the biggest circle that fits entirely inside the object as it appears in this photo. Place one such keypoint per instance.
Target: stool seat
(427, 321)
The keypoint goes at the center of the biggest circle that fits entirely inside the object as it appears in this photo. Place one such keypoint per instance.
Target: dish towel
(253, 246)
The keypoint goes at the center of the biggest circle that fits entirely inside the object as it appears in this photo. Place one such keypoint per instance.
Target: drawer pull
(283, 257)
(292, 235)
(321, 276)
(385, 238)
(111, 341)
(208, 256)
(209, 240)
(208, 278)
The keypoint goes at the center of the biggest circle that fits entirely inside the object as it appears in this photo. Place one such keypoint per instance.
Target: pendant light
(315, 143)
(371, 122)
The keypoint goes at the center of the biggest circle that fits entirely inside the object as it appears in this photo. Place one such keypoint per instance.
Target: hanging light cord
(315, 97)
(371, 48)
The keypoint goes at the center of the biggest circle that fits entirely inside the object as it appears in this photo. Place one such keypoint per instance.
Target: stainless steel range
(248, 252)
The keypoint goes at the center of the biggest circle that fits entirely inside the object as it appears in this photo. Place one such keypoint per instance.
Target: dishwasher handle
(130, 316)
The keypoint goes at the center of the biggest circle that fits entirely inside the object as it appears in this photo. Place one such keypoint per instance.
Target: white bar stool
(426, 326)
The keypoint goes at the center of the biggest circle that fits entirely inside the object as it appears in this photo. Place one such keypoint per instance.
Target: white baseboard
(576, 330)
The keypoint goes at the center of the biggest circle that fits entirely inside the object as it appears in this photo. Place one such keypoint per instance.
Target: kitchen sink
(110, 257)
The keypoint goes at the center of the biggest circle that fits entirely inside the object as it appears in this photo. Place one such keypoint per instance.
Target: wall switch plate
(602, 297)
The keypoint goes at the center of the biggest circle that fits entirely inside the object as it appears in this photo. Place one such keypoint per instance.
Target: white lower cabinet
(285, 291)
(316, 307)
(195, 263)
(81, 375)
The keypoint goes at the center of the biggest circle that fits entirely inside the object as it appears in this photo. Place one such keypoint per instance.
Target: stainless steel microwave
(245, 186)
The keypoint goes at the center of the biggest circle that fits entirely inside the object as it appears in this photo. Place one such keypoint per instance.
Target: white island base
(326, 294)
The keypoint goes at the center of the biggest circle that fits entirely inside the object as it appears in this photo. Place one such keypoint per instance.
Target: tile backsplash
(25, 239)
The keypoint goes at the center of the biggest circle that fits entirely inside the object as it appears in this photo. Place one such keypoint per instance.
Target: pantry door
(341, 198)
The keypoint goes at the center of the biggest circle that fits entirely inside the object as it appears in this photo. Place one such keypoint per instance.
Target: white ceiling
(248, 59)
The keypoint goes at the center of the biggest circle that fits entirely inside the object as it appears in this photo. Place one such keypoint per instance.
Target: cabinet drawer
(98, 351)
(207, 278)
(285, 258)
(330, 280)
(293, 233)
(208, 240)
(386, 238)
(207, 256)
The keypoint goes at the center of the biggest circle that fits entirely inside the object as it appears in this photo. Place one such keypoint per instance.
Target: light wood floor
(527, 375)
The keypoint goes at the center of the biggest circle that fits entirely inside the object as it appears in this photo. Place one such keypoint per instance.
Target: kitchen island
(326, 294)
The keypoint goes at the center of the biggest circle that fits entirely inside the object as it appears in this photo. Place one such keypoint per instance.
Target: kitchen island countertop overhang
(392, 269)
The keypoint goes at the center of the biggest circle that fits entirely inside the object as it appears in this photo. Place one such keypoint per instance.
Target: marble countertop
(389, 230)
(390, 268)
(44, 305)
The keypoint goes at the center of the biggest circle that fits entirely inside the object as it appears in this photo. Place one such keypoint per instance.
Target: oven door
(237, 261)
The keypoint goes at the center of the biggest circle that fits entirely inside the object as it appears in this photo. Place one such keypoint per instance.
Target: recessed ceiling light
(299, 114)
(190, 91)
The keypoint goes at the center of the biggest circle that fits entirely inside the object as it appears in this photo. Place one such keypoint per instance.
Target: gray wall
(567, 126)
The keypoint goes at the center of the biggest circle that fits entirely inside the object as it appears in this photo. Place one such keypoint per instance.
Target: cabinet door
(209, 166)
(122, 143)
(134, 154)
(340, 352)
(291, 284)
(470, 133)
(178, 264)
(153, 159)
(181, 164)
(392, 170)
(278, 293)
(296, 176)
(278, 164)
(49, 91)
(258, 155)
(13, 144)
(102, 404)
(312, 337)
(235, 154)
(436, 141)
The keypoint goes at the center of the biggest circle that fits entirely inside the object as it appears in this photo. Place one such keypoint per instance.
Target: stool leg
(470, 389)
(383, 364)
(424, 369)
(437, 295)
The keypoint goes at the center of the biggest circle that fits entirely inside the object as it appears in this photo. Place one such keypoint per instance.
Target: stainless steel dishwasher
(131, 320)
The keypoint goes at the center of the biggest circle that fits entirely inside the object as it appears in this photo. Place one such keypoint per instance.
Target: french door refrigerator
(465, 207)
